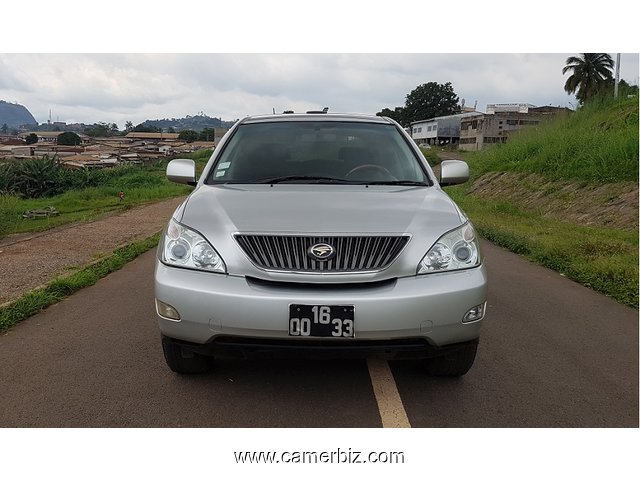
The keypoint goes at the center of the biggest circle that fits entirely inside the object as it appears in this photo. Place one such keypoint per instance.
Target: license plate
(321, 321)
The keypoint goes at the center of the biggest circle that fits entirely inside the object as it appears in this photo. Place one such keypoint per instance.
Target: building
(501, 120)
(493, 108)
(153, 137)
(51, 137)
(483, 128)
(443, 130)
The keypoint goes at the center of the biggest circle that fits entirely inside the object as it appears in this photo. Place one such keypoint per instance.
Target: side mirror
(182, 170)
(453, 172)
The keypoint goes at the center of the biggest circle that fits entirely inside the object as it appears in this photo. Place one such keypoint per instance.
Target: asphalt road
(552, 354)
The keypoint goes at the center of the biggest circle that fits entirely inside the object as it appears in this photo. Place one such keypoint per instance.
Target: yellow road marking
(390, 405)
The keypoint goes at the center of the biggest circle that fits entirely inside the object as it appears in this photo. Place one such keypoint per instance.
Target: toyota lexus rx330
(319, 234)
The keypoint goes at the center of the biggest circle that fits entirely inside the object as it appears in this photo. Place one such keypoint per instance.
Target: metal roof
(460, 115)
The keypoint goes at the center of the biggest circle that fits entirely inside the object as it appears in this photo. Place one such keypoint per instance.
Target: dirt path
(29, 262)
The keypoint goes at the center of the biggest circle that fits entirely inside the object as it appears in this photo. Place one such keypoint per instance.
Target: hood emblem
(321, 251)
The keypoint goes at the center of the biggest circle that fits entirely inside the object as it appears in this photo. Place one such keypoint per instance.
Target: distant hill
(15, 115)
(196, 122)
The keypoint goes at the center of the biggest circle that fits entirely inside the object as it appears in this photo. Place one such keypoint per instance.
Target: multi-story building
(493, 108)
(499, 122)
(483, 129)
(443, 130)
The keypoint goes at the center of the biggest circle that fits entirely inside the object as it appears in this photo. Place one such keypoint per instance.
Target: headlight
(455, 250)
(184, 247)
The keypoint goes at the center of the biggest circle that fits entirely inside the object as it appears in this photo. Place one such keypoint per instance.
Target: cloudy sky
(120, 87)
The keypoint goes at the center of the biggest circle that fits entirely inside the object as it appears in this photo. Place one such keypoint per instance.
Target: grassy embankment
(140, 184)
(582, 151)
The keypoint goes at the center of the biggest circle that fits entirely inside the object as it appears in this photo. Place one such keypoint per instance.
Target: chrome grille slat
(375, 245)
(383, 251)
(353, 253)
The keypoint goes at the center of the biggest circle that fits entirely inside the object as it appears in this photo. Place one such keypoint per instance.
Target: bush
(46, 177)
(7, 173)
(35, 178)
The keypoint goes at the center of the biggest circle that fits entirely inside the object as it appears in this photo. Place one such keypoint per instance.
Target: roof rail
(324, 110)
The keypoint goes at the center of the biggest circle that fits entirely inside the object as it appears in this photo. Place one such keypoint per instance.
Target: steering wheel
(379, 169)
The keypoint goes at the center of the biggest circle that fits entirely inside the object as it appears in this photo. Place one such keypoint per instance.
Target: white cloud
(136, 87)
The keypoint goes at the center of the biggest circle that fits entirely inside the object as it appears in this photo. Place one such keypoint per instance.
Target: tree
(396, 114)
(188, 136)
(589, 75)
(207, 135)
(144, 128)
(99, 129)
(128, 126)
(430, 100)
(5, 128)
(69, 138)
(624, 89)
(31, 139)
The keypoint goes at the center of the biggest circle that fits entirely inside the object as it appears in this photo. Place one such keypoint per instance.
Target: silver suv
(319, 234)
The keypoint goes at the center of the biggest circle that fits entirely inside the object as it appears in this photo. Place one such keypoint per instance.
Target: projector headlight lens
(184, 247)
(455, 250)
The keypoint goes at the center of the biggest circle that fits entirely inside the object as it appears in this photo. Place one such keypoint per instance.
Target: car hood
(341, 209)
(220, 211)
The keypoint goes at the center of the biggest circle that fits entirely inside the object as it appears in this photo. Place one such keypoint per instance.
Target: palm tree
(590, 72)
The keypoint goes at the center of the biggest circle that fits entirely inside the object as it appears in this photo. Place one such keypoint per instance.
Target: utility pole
(615, 85)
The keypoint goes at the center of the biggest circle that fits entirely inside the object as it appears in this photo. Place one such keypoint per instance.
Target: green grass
(605, 260)
(140, 184)
(37, 300)
(431, 155)
(596, 144)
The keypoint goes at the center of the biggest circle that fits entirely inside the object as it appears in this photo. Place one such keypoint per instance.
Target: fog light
(475, 314)
(167, 311)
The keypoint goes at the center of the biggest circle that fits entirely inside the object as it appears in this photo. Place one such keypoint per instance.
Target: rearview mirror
(453, 172)
(182, 170)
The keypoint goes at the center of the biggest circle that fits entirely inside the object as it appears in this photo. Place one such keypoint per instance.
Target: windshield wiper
(396, 182)
(309, 178)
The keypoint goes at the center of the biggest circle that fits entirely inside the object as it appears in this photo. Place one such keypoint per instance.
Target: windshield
(318, 152)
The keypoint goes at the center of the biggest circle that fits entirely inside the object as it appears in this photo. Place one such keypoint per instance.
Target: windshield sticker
(220, 173)
(223, 165)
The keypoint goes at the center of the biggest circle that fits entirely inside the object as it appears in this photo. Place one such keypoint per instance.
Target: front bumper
(425, 308)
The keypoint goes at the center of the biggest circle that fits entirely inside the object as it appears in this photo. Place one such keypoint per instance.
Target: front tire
(183, 361)
(454, 364)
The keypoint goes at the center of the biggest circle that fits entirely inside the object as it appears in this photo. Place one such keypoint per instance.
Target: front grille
(352, 253)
